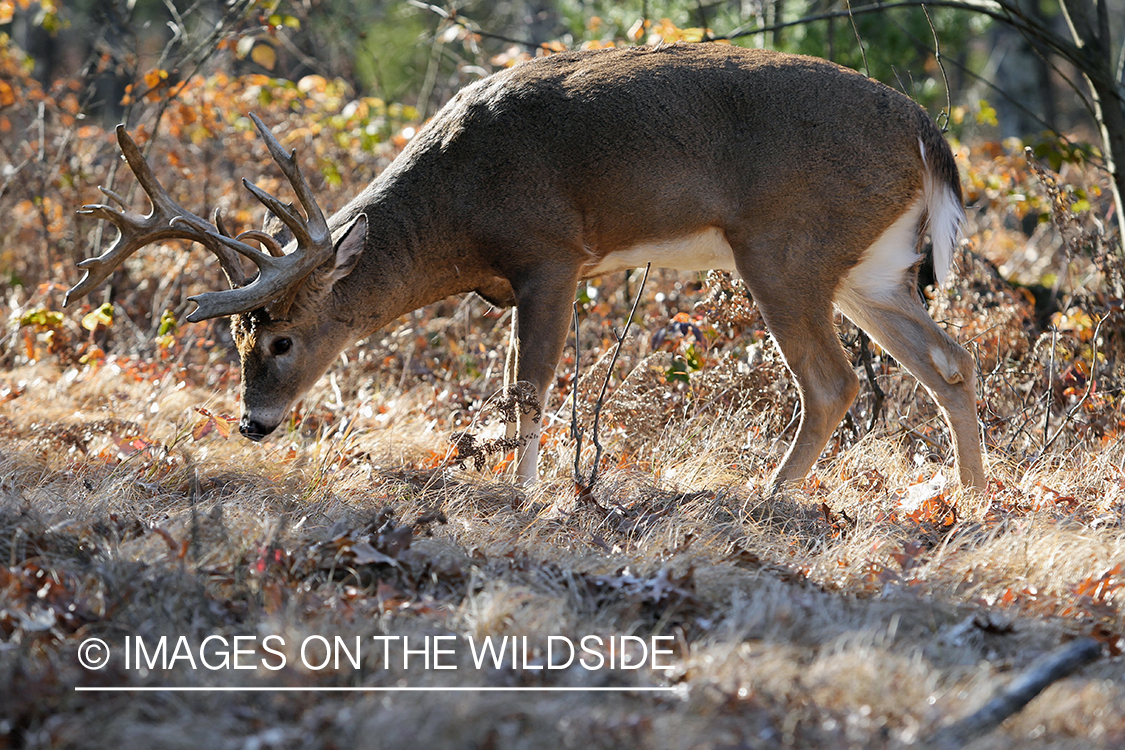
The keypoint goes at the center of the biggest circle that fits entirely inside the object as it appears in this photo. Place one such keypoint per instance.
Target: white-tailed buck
(813, 182)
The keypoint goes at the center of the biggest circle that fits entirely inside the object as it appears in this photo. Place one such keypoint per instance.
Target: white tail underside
(946, 215)
(882, 270)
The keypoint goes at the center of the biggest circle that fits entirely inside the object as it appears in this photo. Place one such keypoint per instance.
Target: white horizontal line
(404, 689)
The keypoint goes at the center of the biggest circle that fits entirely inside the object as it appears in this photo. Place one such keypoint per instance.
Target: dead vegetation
(868, 607)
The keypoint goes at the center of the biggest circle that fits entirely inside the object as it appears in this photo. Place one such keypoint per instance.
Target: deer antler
(167, 220)
(278, 273)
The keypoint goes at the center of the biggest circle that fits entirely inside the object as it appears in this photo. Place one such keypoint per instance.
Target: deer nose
(253, 429)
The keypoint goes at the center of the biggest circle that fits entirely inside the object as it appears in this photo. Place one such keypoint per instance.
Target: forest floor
(338, 584)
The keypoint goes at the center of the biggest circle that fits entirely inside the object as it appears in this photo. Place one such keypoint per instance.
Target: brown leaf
(202, 428)
(172, 545)
(209, 422)
(396, 542)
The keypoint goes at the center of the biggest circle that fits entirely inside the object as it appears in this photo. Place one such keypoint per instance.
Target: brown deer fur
(812, 181)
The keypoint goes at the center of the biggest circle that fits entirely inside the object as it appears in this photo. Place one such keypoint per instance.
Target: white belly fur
(702, 251)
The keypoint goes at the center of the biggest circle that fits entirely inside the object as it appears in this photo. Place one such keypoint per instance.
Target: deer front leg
(540, 325)
(510, 366)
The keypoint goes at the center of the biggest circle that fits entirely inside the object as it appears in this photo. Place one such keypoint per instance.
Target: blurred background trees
(352, 76)
(419, 53)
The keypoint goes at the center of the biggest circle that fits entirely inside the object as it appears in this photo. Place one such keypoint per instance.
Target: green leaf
(167, 323)
(103, 316)
(678, 371)
(694, 358)
(42, 317)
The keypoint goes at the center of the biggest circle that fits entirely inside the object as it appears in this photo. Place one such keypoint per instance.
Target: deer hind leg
(804, 331)
(899, 324)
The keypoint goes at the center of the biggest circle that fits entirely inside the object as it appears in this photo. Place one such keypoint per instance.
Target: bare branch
(1089, 386)
(575, 430)
(1000, 10)
(605, 384)
(1019, 692)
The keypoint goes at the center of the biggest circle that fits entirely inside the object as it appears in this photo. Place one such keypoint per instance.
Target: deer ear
(348, 248)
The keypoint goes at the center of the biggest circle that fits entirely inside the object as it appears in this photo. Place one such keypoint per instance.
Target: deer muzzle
(253, 429)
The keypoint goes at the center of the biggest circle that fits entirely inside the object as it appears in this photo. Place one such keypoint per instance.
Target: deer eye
(280, 346)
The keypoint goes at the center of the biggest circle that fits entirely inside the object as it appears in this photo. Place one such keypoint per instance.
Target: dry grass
(856, 610)
(851, 626)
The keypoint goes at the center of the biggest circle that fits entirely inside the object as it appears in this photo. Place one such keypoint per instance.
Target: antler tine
(277, 274)
(167, 220)
(287, 213)
(230, 301)
(115, 197)
(269, 283)
(314, 230)
(229, 261)
(272, 246)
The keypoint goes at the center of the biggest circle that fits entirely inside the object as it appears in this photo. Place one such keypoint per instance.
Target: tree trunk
(1089, 24)
(1110, 111)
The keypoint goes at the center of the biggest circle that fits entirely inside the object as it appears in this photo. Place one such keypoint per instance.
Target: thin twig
(1089, 388)
(945, 79)
(605, 384)
(858, 38)
(194, 492)
(471, 27)
(880, 396)
(702, 15)
(1047, 397)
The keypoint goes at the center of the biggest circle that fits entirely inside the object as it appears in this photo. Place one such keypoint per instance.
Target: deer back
(584, 154)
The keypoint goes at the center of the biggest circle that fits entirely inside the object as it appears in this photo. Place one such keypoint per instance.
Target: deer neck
(413, 256)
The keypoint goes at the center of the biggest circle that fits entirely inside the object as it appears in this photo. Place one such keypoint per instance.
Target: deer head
(286, 321)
